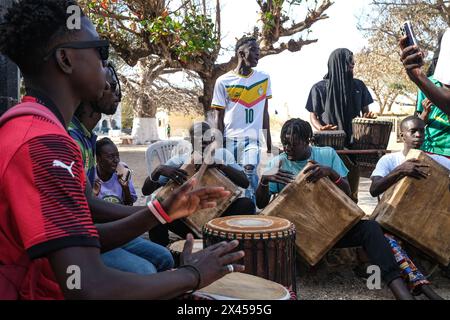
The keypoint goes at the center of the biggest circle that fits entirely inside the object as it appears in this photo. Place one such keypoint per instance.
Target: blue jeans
(246, 152)
(139, 256)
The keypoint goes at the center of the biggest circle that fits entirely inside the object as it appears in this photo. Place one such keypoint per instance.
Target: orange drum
(268, 242)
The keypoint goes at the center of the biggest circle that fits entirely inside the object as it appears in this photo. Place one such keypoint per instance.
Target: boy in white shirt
(389, 170)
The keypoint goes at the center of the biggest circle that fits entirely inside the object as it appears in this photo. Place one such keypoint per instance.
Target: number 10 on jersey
(249, 116)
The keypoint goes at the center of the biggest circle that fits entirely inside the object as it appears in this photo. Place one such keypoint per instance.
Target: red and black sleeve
(45, 186)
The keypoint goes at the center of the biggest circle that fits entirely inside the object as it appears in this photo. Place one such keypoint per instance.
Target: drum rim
(200, 293)
(371, 121)
(338, 133)
(286, 227)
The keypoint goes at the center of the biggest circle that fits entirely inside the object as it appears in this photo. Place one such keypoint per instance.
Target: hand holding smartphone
(407, 31)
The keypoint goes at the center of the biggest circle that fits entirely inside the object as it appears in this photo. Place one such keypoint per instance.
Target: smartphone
(124, 171)
(407, 31)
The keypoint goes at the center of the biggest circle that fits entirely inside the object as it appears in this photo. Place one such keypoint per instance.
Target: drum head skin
(249, 224)
(240, 286)
(179, 246)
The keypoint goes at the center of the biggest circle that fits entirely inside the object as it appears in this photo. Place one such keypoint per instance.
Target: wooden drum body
(321, 212)
(333, 139)
(212, 178)
(268, 243)
(419, 210)
(370, 134)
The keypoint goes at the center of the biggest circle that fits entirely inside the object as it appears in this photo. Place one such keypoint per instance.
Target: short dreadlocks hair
(30, 27)
(242, 41)
(298, 128)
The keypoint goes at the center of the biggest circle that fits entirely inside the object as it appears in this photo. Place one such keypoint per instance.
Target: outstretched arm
(100, 282)
(412, 59)
(182, 203)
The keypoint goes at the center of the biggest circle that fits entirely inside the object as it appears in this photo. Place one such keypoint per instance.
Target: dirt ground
(325, 282)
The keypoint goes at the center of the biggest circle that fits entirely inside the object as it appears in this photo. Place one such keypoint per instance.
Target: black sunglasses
(101, 45)
(115, 87)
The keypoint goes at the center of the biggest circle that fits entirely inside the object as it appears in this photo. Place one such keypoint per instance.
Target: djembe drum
(268, 243)
(333, 139)
(240, 286)
(214, 178)
(418, 211)
(370, 134)
(322, 214)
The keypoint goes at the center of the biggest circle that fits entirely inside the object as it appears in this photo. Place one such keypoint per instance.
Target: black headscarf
(339, 105)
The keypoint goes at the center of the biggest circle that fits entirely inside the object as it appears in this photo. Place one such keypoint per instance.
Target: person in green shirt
(437, 131)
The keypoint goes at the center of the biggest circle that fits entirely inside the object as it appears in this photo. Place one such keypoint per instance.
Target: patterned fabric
(409, 271)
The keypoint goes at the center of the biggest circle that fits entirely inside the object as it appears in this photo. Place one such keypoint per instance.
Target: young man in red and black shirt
(45, 220)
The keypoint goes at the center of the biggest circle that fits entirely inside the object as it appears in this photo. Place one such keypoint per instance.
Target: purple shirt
(111, 190)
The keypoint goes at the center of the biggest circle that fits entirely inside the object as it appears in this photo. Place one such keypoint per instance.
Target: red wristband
(161, 211)
(155, 213)
(338, 181)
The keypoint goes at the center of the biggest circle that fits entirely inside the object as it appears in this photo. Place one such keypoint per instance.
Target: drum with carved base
(268, 243)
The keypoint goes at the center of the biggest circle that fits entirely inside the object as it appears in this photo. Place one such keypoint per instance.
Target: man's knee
(371, 229)
(167, 261)
(144, 267)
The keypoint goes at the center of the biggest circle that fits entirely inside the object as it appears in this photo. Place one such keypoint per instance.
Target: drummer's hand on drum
(280, 176)
(369, 115)
(314, 172)
(328, 127)
(184, 201)
(413, 168)
(213, 262)
(178, 175)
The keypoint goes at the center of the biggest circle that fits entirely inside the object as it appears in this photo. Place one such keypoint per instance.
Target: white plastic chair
(160, 152)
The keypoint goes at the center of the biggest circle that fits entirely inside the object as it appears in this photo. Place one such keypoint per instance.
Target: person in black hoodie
(335, 101)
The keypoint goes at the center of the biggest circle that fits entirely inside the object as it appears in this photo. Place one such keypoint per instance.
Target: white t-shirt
(243, 99)
(389, 162)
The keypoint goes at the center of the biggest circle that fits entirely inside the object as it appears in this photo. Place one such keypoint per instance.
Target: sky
(293, 74)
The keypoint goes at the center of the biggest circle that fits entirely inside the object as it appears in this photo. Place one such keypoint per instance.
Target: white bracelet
(155, 213)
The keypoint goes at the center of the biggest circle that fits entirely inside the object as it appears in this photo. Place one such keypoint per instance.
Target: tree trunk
(206, 99)
(145, 124)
